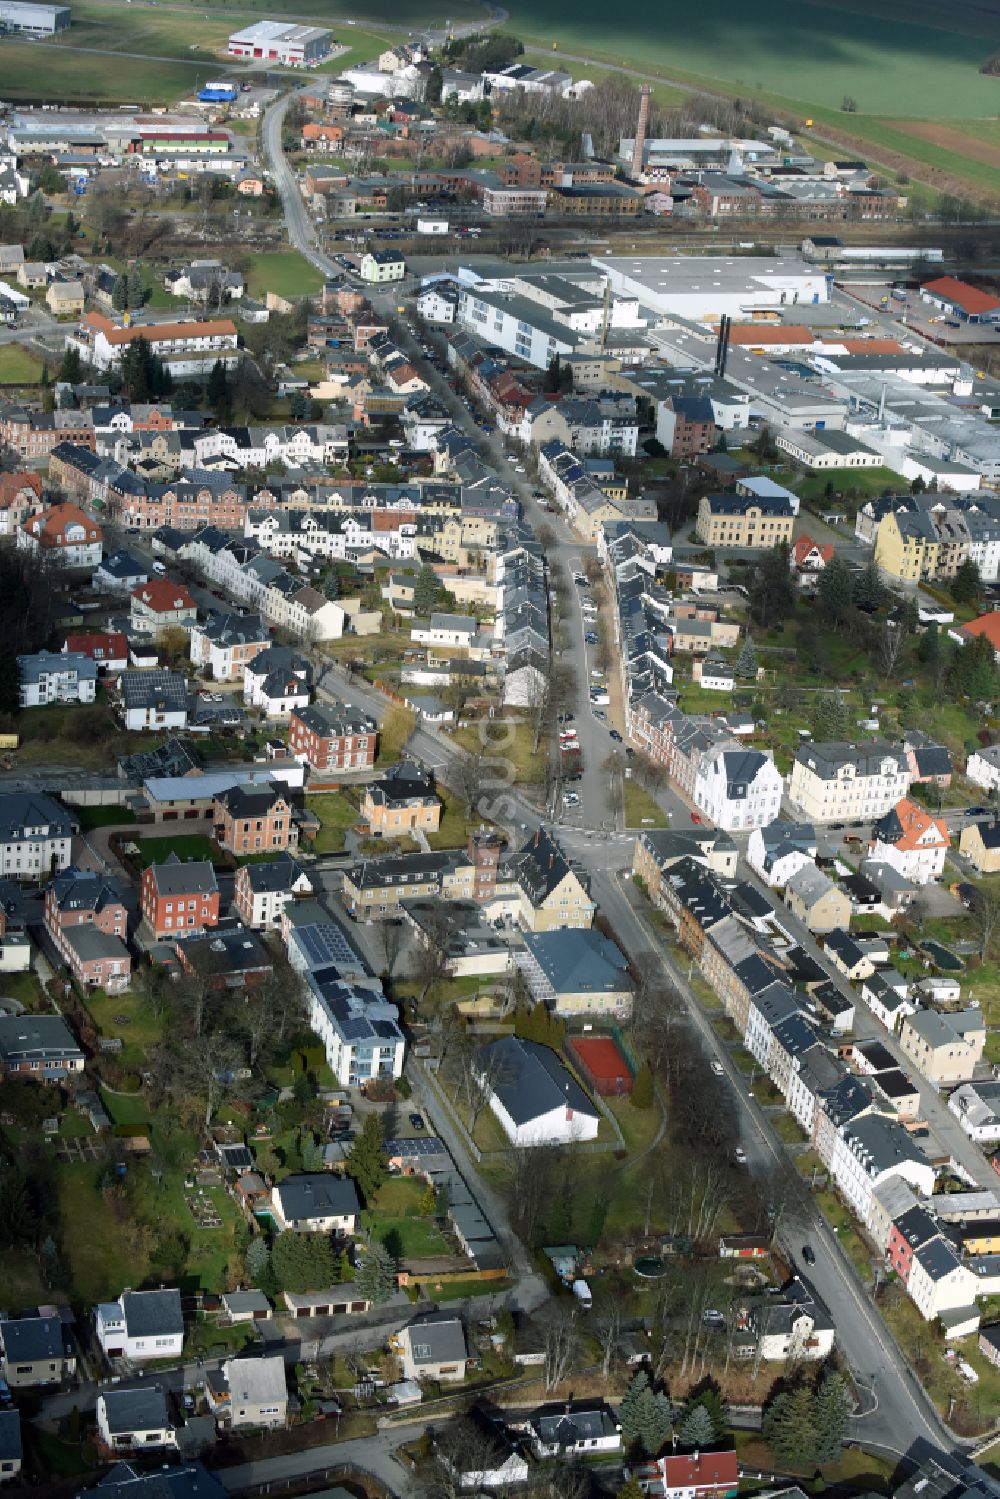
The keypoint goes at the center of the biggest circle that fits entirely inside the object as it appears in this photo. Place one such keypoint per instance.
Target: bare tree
(890, 647)
(609, 1335)
(538, 707)
(984, 916)
(389, 937)
(562, 1341)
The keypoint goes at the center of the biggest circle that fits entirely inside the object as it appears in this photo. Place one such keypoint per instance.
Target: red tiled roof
(51, 525)
(161, 595)
(103, 646)
(986, 624)
(969, 298)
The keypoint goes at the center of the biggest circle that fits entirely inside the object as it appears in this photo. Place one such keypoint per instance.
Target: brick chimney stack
(640, 131)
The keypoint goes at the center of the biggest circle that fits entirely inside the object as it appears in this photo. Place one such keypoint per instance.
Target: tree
(70, 370)
(311, 1151)
(849, 104)
(653, 1420)
(426, 590)
(642, 1088)
(135, 292)
(217, 391)
(696, 1429)
(303, 1262)
(561, 1344)
(967, 586)
(772, 595)
(746, 661)
(834, 592)
(832, 1413)
(628, 1409)
(367, 1162)
(119, 294)
(257, 1261)
(375, 1280)
(867, 586)
(984, 917)
(789, 1427)
(711, 1402)
(891, 641)
(830, 718)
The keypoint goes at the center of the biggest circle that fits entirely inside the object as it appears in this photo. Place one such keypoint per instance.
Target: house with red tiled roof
(986, 624)
(689, 1475)
(109, 648)
(161, 602)
(20, 496)
(912, 840)
(809, 555)
(960, 300)
(66, 533)
(186, 346)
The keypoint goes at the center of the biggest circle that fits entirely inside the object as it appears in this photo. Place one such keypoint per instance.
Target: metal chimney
(640, 130)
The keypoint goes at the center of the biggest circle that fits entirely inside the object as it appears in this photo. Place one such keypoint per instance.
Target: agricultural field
(283, 272)
(64, 76)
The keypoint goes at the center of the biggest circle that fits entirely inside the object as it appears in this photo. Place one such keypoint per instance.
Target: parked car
(809, 1254)
(616, 736)
(718, 1069)
(695, 817)
(417, 1121)
(740, 1156)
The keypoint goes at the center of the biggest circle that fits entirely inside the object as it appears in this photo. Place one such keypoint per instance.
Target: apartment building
(944, 1048)
(254, 819)
(748, 521)
(332, 737)
(178, 896)
(227, 643)
(836, 781)
(402, 801)
(56, 677)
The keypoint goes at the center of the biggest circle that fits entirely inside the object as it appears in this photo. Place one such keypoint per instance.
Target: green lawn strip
(640, 809)
(18, 366)
(184, 845)
(283, 272)
(102, 817)
(26, 988)
(336, 812)
(459, 1290)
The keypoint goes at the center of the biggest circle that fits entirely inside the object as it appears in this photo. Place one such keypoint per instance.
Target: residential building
(536, 1100)
(403, 800)
(153, 699)
(576, 972)
(159, 603)
(36, 1349)
(316, 1202)
(35, 835)
(841, 782)
(983, 767)
(574, 1429)
(939, 1282)
(98, 960)
(746, 521)
(378, 267)
(432, 1346)
(226, 960)
(10, 1445)
(226, 643)
(108, 649)
(550, 893)
(41, 1047)
(910, 839)
(738, 788)
(980, 843)
(944, 1048)
(276, 681)
(141, 1325)
(186, 348)
(777, 850)
(263, 890)
(817, 901)
(179, 897)
(66, 534)
(249, 1392)
(869, 1150)
(56, 677)
(791, 1326)
(135, 1420)
(358, 1026)
(696, 1475)
(330, 736)
(976, 1106)
(253, 819)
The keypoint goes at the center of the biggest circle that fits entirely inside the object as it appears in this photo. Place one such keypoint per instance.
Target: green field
(138, 29)
(285, 273)
(889, 64)
(184, 845)
(59, 74)
(18, 367)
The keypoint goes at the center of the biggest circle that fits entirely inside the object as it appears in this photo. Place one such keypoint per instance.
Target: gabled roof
(532, 1081)
(576, 961)
(138, 1410)
(909, 827)
(317, 1194)
(190, 877)
(435, 1338)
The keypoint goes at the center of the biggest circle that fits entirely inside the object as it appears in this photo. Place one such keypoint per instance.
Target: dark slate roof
(533, 1081)
(30, 1340)
(142, 1409)
(318, 1194)
(10, 1436)
(274, 874)
(178, 877)
(567, 1424)
(151, 1314)
(192, 1481)
(166, 690)
(438, 1337)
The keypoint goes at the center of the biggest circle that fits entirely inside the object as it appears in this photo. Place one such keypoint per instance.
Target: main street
(903, 1413)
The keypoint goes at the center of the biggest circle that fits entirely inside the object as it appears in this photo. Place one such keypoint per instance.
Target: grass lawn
(283, 272)
(640, 808)
(112, 28)
(786, 1129)
(842, 1223)
(129, 1109)
(395, 1219)
(505, 740)
(18, 366)
(26, 988)
(103, 817)
(394, 731)
(855, 1471)
(455, 827)
(860, 484)
(184, 845)
(336, 813)
(129, 1016)
(458, 1290)
(61, 75)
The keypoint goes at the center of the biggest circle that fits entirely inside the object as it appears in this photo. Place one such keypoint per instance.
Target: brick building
(254, 819)
(332, 737)
(179, 897)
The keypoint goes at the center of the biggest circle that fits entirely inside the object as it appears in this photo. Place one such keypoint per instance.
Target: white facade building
(738, 788)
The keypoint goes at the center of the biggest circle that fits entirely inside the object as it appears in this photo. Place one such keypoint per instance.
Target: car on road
(570, 799)
(977, 811)
(590, 638)
(837, 827)
(740, 1156)
(565, 718)
(809, 1254)
(417, 1121)
(615, 736)
(718, 1069)
(695, 817)
(599, 715)
(580, 579)
(713, 1318)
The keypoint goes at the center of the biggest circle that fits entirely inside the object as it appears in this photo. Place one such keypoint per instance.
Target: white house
(780, 849)
(317, 1202)
(36, 835)
(738, 788)
(983, 767)
(56, 677)
(535, 1098)
(869, 1151)
(912, 841)
(713, 674)
(437, 304)
(455, 631)
(793, 1325)
(885, 994)
(135, 1420)
(154, 699)
(575, 1428)
(264, 890)
(250, 1393)
(939, 1282)
(276, 681)
(976, 1106)
(141, 1325)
